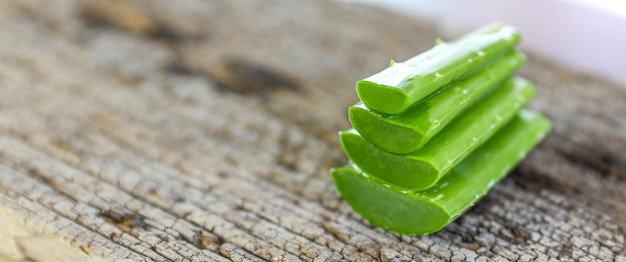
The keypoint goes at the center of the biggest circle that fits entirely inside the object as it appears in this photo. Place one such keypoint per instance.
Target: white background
(585, 35)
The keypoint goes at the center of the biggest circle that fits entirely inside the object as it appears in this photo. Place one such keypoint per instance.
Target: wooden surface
(204, 131)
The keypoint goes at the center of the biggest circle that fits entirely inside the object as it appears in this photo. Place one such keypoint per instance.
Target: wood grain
(204, 131)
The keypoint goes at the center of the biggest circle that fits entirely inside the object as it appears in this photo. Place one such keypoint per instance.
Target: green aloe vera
(421, 169)
(401, 85)
(424, 212)
(410, 130)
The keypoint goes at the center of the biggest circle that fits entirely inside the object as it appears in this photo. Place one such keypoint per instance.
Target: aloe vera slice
(421, 169)
(411, 129)
(425, 212)
(401, 85)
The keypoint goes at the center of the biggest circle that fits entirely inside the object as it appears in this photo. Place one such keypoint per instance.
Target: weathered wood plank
(204, 131)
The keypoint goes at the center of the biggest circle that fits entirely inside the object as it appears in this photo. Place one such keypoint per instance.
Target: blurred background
(584, 35)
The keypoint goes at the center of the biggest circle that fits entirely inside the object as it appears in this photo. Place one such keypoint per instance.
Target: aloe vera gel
(434, 133)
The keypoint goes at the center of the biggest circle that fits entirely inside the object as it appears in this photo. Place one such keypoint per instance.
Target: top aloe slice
(413, 128)
(401, 85)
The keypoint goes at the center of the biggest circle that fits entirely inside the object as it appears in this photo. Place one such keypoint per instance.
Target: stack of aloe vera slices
(434, 133)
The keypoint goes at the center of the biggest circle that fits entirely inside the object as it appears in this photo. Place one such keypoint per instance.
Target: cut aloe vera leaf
(411, 129)
(425, 212)
(401, 85)
(421, 169)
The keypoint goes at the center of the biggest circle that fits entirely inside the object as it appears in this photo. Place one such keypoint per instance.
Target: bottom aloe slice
(424, 212)
(423, 168)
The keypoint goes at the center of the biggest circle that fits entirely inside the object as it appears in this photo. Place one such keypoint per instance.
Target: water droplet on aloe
(437, 74)
(541, 135)
(480, 53)
(521, 155)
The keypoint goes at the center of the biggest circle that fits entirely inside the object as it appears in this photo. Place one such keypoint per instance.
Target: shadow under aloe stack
(453, 126)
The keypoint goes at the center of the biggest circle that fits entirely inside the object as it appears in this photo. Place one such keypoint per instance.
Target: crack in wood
(127, 222)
